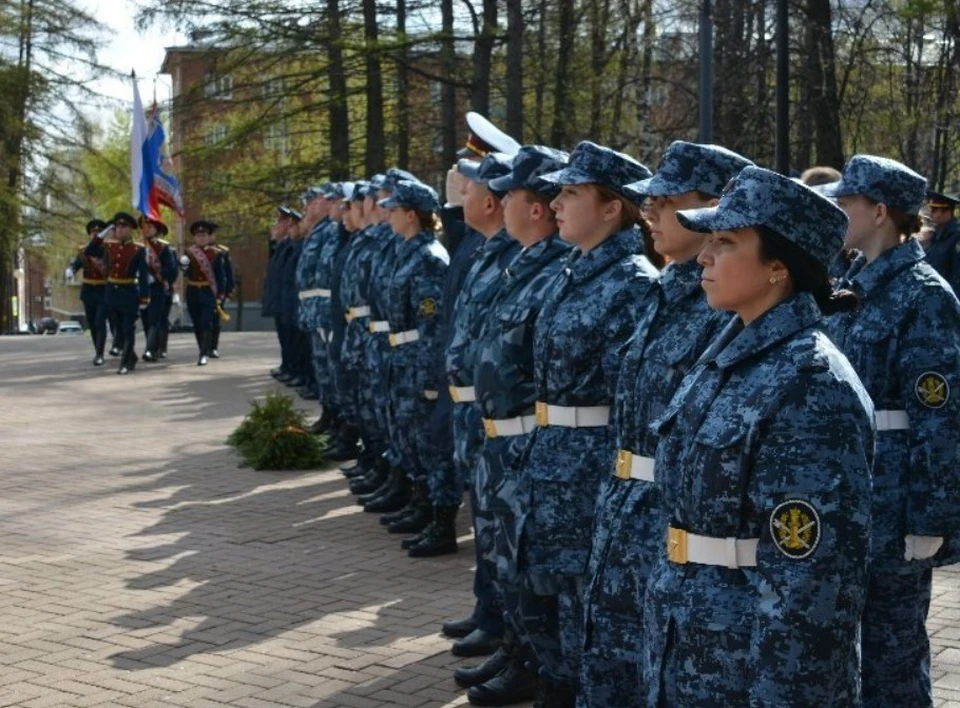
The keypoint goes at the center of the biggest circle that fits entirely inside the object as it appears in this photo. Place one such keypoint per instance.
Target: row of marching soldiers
(125, 280)
(723, 481)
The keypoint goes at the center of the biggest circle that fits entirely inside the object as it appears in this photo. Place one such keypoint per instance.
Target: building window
(436, 92)
(216, 133)
(273, 88)
(218, 87)
(275, 137)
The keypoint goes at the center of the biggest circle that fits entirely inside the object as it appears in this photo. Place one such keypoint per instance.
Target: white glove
(452, 189)
(68, 274)
(184, 260)
(921, 547)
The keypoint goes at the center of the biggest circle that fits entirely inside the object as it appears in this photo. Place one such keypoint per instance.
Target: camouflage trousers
(409, 417)
(894, 643)
(321, 370)
(550, 608)
(448, 479)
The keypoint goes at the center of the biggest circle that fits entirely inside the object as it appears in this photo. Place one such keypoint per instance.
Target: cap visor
(569, 175)
(469, 169)
(834, 190)
(711, 219)
(388, 203)
(505, 184)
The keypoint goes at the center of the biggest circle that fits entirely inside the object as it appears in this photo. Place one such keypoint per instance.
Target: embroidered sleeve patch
(795, 528)
(933, 391)
(428, 307)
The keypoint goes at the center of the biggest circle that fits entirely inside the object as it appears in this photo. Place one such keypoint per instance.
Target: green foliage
(273, 436)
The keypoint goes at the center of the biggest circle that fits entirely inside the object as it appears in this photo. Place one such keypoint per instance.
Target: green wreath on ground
(273, 436)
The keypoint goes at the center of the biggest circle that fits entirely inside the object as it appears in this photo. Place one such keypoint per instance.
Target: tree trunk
(540, 89)
(339, 117)
(448, 89)
(482, 56)
(824, 101)
(376, 145)
(514, 79)
(562, 110)
(403, 87)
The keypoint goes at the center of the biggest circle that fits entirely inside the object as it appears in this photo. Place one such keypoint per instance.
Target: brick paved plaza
(139, 567)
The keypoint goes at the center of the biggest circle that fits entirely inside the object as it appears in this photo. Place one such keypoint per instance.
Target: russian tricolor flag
(151, 185)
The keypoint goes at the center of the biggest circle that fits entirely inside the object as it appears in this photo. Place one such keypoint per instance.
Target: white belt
(378, 326)
(431, 395)
(324, 333)
(892, 420)
(316, 292)
(572, 416)
(630, 466)
(509, 426)
(355, 312)
(463, 394)
(683, 548)
(398, 338)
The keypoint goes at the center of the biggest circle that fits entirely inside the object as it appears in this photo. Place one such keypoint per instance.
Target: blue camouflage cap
(289, 213)
(378, 181)
(333, 190)
(595, 164)
(394, 175)
(412, 194)
(529, 165)
(759, 197)
(491, 167)
(359, 190)
(688, 167)
(883, 180)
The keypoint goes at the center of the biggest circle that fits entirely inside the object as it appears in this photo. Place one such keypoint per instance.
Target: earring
(774, 279)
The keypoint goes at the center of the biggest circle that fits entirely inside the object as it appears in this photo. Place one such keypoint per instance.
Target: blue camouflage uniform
(584, 323)
(763, 468)
(334, 240)
(308, 295)
(904, 342)
(629, 525)
(414, 303)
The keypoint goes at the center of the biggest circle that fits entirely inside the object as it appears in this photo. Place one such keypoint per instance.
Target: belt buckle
(490, 428)
(454, 394)
(393, 339)
(348, 315)
(624, 463)
(543, 417)
(370, 328)
(677, 546)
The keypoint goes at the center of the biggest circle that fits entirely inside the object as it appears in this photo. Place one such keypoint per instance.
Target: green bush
(273, 436)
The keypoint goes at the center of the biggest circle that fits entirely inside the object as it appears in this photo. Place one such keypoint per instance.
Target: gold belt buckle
(348, 315)
(393, 339)
(490, 428)
(370, 328)
(454, 394)
(543, 417)
(624, 463)
(677, 546)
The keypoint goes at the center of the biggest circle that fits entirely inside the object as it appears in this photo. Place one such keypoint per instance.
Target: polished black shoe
(417, 506)
(202, 361)
(308, 394)
(148, 356)
(277, 372)
(380, 491)
(408, 543)
(98, 360)
(356, 472)
(114, 351)
(440, 537)
(214, 354)
(123, 371)
(458, 629)
(284, 377)
(415, 522)
(367, 486)
(393, 500)
(342, 450)
(477, 643)
(514, 684)
(467, 676)
(162, 355)
(296, 382)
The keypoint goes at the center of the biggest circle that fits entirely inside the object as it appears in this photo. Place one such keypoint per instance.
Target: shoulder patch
(428, 307)
(932, 390)
(795, 528)
(222, 248)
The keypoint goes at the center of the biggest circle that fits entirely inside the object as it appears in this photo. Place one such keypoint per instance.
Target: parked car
(70, 327)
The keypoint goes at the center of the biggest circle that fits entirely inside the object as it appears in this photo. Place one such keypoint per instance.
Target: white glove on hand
(921, 547)
(452, 189)
(68, 274)
(184, 260)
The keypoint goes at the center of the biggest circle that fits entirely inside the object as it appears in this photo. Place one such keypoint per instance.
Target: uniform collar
(498, 243)
(680, 280)
(618, 246)
(948, 229)
(533, 257)
(872, 276)
(784, 319)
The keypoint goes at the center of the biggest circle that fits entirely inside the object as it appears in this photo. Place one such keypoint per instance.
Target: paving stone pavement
(139, 566)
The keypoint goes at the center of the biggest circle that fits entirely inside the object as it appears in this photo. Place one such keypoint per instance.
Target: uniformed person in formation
(229, 284)
(89, 259)
(162, 273)
(203, 268)
(943, 246)
(763, 467)
(585, 321)
(315, 213)
(629, 526)
(128, 290)
(904, 343)
(505, 392)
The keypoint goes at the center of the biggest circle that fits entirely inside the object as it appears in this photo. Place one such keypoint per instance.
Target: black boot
(162, 343)
(128, 359)
(408, 543)
(346, 446)
(467, 676)
(550, 695)
(440, 537)
(150, 348)
(373, 480)
(415, 522)
(394, 497)
(458, 629)
(99, 342)
(515, 684)
(204, 348)
(418, 497)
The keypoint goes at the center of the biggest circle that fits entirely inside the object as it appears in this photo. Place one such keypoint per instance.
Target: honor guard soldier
(904, 342)
(89, 259)
(629, 526)
(229, 283)
(315, 213)
(128, 288)
(162, 274)
(763, 467)
(203, 267)
(943, 247)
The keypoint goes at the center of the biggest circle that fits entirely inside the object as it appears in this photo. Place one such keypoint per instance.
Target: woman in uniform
(763, 467)
(628, 530)
(904, 342)
(585, 320)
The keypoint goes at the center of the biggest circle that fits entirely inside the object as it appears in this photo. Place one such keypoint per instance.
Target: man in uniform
(127, 287)
(315, 210)
(205, 283)
(89, 259)
(943, 248)
(229, 284)
(162, 273)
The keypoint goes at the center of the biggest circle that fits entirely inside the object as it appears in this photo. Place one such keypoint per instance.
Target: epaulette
(165, 243)
(221, 248)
